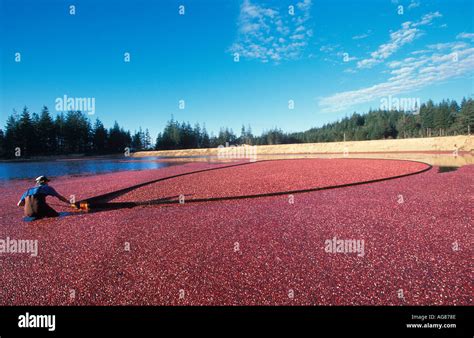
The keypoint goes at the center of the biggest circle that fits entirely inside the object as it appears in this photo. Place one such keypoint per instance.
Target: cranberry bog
(276, 232)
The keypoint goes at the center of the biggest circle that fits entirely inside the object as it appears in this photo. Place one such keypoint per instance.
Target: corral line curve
(119, 192)
(118, 205)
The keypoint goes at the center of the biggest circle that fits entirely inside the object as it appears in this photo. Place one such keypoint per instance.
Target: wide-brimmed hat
(41, 179)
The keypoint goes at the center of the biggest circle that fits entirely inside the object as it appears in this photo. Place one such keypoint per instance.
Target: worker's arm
(64, 199)
(52, 192)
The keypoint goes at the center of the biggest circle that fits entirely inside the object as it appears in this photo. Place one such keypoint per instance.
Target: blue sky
(331, 57)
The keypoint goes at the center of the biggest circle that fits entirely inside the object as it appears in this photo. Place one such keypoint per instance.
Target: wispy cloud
(362, 36)
(435, 64)
(329, 48)
(406, 34)
(413, 4)
(427, 19)
(464, 35)
(268, 34)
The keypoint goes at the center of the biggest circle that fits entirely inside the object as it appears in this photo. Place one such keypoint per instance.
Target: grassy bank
(430, 144)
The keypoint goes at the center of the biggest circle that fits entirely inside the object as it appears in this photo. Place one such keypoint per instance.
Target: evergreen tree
(12, 136)
(59, 127)
(205, 141)
(99, 137)
(2, 144)
(118, 139)
(464, 123)
(147, 140)
(46, 132)
(77, 132)
(138, 140)
(442, 118)
(427, 117)
(26, 133)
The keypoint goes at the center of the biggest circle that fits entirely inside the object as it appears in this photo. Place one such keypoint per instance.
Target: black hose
(95, 203)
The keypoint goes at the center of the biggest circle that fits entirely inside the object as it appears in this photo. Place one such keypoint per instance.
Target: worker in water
(34, 199)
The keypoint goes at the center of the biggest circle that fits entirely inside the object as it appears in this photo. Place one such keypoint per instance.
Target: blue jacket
(44, 190)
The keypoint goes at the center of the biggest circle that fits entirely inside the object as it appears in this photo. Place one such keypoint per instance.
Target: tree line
(27, 135)
(442, 119)
(73, 133)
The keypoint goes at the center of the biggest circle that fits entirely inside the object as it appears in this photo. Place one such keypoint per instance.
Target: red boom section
(271, 177)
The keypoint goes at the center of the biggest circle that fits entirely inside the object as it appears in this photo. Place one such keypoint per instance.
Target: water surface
(82, 166)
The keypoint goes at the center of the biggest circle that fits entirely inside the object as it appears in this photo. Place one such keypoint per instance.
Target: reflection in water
(445, 169)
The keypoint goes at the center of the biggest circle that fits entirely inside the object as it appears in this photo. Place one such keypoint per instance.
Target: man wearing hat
(34, 199)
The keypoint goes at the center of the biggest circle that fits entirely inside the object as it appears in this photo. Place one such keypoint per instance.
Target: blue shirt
(44, 190)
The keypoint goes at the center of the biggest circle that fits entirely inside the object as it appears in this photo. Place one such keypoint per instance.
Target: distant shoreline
(446, 144)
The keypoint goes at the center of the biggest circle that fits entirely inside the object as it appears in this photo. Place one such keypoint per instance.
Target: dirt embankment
(429, 144)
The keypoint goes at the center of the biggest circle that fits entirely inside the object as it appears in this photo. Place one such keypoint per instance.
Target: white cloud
(413, 4)
(345, 56)
(448, 45)
(362, 36)
(268, 34)
(427, 19)
(464, 35)
(337, 54)
(438, 63)
(329, 48)
(405, 35)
